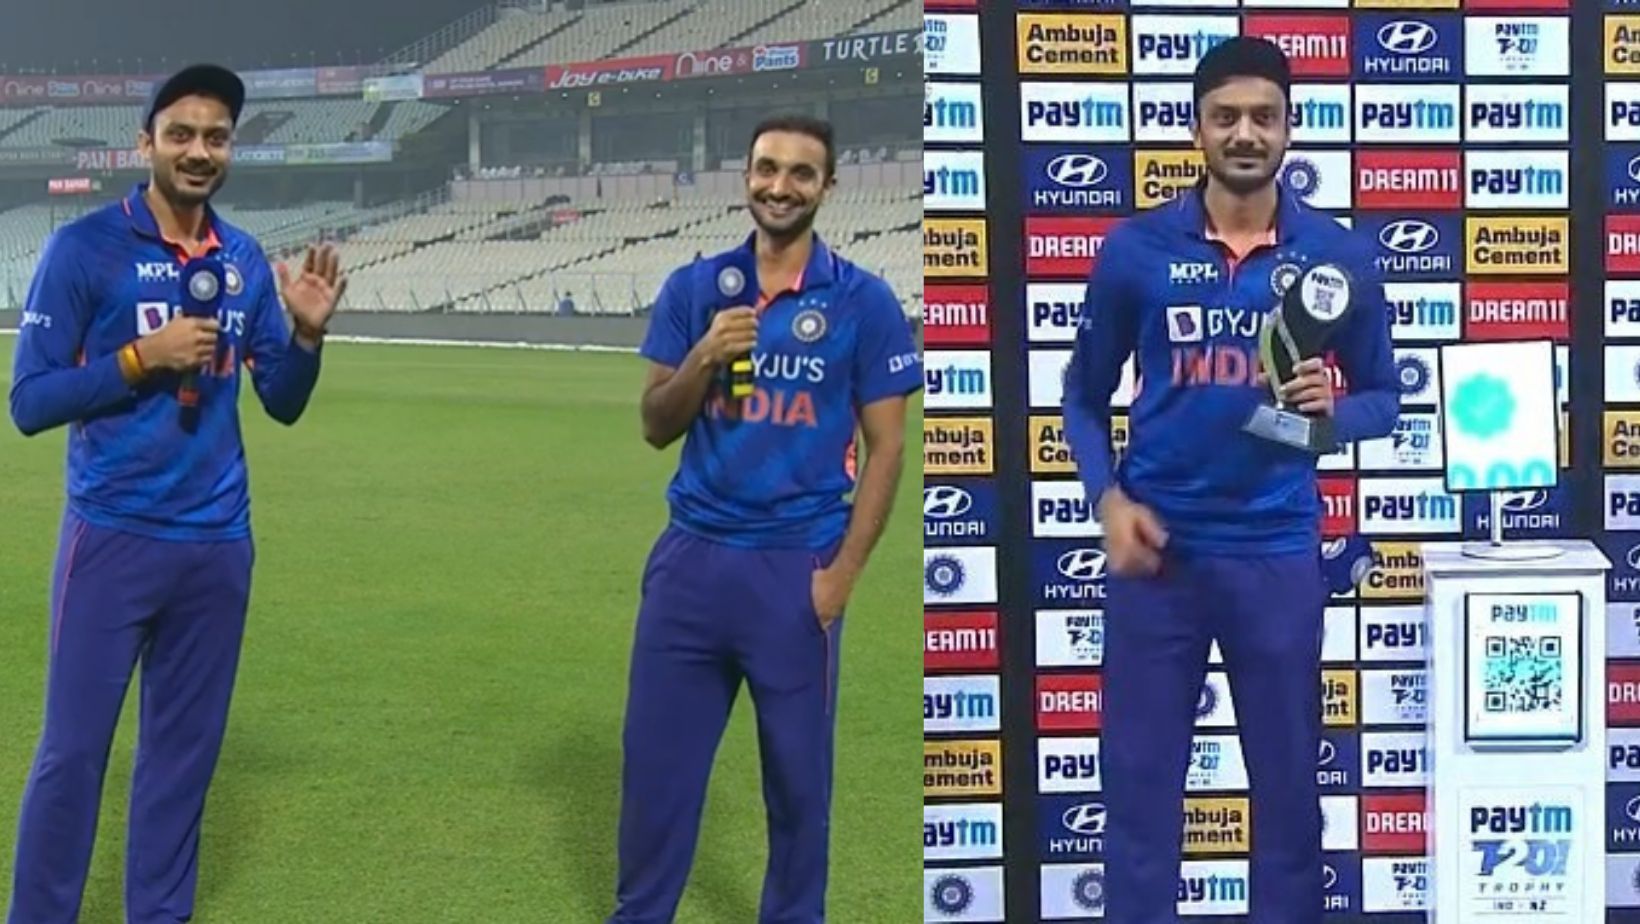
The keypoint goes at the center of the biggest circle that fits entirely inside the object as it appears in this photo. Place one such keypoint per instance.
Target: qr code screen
(1524, 674)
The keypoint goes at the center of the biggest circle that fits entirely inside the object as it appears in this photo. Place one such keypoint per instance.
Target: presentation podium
(1516, 686)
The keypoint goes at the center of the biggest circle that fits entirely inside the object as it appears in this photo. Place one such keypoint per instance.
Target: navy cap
(1242, 56)
(202, 79)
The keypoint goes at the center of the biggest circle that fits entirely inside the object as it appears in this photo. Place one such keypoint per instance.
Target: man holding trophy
(1232, 297)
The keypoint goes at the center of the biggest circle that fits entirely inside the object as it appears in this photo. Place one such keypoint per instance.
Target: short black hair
(818, 129)
(209, 80)
(1242, 56)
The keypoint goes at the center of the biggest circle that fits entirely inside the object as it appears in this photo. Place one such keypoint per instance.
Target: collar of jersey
(143, 222)
(816, 273)
(1190, 212)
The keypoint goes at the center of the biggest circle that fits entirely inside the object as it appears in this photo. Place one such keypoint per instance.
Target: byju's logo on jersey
(952, 113)
(1175, 44)
(1517, 113)
(1414, 248)
(960, 514)
(1079, 179)
(1406, 113)
(1406, 48)
(1068, 575)
(1517, 46)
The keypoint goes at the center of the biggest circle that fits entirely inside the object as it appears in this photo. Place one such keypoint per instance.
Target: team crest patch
(1283, 277)
(236, 282)
(809, 326)
(731, 281)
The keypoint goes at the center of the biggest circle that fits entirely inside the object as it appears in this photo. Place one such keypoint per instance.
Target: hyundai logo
(1634, 168)
(1633, 558)
(1082, 564)
(1329, 876)
(1086, 819)
(1407, 37)
(1632, 809)
(1409, 235)
(1523, 501)
(944, 502)
(1077, 170)
(1328, 752)
(1331, 549)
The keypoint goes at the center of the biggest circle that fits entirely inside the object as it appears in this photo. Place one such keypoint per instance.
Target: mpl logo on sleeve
(1415, 445)
(957, 446)
(1394, 697)
(1419, 375)
(951, 44)
(1070, 638)
(1394, 884)
(1425, 179)
(1082, 112)
(954, 247)
(1423, 310)
(1516, 179)
(971, 831)
(1622, 111)
(1403, 506)
(1406, 48)
(961, 704)
(1160, 176)
(1319, 113)
(1406, 113)
(1061, 510)
(957, 379)
(1517, 245)
(953, 181)
(1063, 245)
(1316, 46)
(1072, 43)
(1174, 45)
(1622, 502)
(966, 894)
(962, 768)
(1067, 765)
(1621, 439)
(960, 641)
(1080, 180)
(1517, 46)
(1393, 633)
(1053, 310)
(960, 575)
(953, 113)
(956, 315)
(1518, 311)
(1622, 243)
(1517, 113)
(1394, 823)
(1395, 760)
(1163, 111)
(1320, 178)
(1068, 702)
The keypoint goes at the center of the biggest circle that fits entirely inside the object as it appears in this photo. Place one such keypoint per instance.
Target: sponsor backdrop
(1445, 132)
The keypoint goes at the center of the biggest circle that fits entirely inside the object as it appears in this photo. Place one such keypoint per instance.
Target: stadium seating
(602, 32)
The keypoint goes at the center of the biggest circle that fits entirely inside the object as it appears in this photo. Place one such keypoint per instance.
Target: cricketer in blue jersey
(155, 552)
(1212, 532)
(750, 578)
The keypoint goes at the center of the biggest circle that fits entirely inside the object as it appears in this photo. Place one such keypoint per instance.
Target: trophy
(736, 280)
(1311, 308)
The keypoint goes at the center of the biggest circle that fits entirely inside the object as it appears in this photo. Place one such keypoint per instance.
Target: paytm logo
(962, 832)
(1401, 506)
(1517, 113)
(950, 44)
(1216, 765)
(953, 113)
(953, 181)
(1406, 112)
(1393, 633)
(1070, 638)
(1093, 112)
(1174, 44)
(1394, 884)
(1423, 310)
(1406, 48)
(957, 379)
(1413, 248)
(1394, 697)
(1054, 309)
(1514, 46)
(1078, 180)
(1393, 760)
(1163, 111)
(961, 704)
(1414, 445)
(1213, 887)
(1061, 510)
(1622, 502)
(1067, 765)
(1622, 111)
(1516, 179)
(1319, 112)
(1623, 755)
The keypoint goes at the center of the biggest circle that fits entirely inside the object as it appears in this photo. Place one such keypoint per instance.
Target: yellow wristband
(130, 364)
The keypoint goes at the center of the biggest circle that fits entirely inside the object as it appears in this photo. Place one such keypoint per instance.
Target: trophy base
(1511, 551)
(1290, 428)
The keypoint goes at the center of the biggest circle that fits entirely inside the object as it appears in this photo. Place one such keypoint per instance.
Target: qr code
(1524, 674)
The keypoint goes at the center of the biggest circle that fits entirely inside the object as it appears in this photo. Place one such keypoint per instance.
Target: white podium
(1517, 735)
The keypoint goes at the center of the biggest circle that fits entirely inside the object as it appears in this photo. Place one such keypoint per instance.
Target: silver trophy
(1311, 308)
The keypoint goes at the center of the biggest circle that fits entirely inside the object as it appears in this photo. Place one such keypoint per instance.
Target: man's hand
(829, 590)
(733, 333)
(183, 343)
(311, 297)
(1310, 389)
(1134, 536)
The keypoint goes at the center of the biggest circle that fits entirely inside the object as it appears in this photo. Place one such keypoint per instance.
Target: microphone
(736, 274)
(203, 280)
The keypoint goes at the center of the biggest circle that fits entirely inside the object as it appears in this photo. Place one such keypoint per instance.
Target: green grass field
(426, 726)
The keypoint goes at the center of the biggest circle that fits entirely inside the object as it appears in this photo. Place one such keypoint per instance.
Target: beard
(188, 196)
(792, 226)
(1242, 182)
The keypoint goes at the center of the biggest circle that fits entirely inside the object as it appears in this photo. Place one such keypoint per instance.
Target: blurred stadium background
(426, 727)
